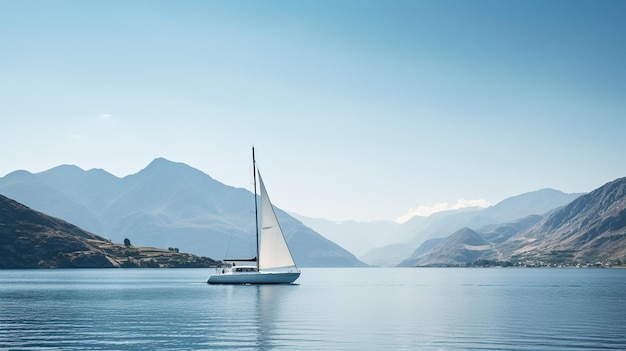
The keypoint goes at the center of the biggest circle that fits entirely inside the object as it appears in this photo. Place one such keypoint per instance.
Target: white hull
(254, 278)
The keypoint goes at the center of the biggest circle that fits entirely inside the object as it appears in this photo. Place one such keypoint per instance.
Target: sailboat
(273, 263)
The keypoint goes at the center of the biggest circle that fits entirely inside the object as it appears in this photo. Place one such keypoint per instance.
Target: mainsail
(273, 250)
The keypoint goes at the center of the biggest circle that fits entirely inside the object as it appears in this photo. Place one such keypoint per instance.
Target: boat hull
(254, 278)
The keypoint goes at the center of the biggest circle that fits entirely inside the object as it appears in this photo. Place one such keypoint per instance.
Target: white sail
(273, 249)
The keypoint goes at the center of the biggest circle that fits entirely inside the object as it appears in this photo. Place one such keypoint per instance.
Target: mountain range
(590, 229)
(166, 204)
(170, 204)
(387, 243)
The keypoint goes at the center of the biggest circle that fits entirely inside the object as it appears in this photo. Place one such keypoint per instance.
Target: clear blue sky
(358, 109)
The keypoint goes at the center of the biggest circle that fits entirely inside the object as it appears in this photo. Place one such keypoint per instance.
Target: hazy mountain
(167, 204)
(590, 228)
(460, 248)
(536, 202)
(441, 224)
(388, 255)
(30, 239)
(465, 245)
(422, 253)
(357, 237)
(444, 223)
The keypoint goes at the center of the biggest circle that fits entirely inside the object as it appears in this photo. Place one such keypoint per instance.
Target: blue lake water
(330, 309)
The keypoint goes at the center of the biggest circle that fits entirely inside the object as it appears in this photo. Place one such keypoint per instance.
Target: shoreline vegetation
(532, 264)
(111, 256)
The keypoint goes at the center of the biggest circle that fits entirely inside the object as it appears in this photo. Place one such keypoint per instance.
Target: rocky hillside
(465, 245)
(590, 229)
(30, 239)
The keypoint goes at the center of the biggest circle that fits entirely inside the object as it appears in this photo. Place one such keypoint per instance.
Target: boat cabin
(245, 269)
(240, 266)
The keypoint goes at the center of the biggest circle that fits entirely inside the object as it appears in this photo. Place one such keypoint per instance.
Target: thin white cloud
(427, 210)
(105, 117)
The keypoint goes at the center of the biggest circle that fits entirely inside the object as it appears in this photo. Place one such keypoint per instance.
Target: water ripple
(331, 309)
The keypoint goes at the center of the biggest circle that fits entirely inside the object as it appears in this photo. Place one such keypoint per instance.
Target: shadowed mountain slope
(30, 239)
(590, 228)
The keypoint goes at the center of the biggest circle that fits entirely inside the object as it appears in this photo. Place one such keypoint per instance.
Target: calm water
(330, 309)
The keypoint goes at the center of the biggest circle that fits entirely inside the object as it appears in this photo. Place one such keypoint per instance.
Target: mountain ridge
(164, 204)
(591, 228)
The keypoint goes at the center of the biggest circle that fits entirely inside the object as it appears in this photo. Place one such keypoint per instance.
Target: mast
(256, 210)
